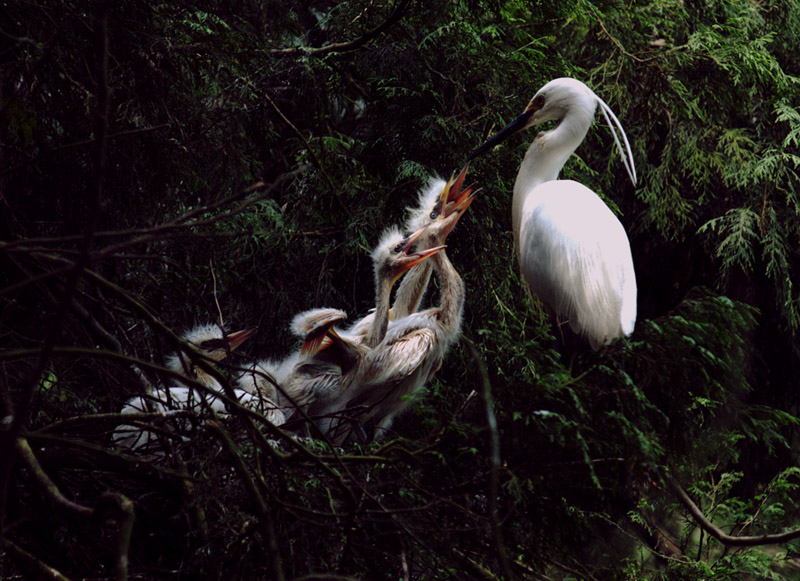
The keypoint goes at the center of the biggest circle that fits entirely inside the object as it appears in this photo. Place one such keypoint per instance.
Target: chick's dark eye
(399, 247)
(538, 102)
(212, 344)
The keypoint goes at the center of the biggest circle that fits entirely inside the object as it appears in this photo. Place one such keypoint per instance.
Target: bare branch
(618, 44)
(49, 487)
(180, 224)
(18, 416)
(122, 508)
(82, 143)
(43, 570)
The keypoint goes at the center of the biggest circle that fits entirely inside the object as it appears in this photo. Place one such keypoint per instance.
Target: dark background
(167, 164)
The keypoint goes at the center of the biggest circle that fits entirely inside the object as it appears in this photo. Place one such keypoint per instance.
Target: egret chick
(328, 360)
(414, 346)
(430, 208)
(210, 342)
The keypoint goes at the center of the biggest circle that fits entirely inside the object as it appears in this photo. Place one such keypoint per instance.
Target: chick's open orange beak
(414, 258)
(452, 189)
(421, 255)
(239, 337)
(453, 198)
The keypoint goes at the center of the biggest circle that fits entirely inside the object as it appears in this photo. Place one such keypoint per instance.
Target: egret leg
(568, 344)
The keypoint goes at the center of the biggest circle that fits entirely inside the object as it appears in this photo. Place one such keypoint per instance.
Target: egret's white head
(437, 202)
(210, 341)
(392, 256)
(559, 97)
(420, 216)
(572, 104)
(212, 344)
(453, 202)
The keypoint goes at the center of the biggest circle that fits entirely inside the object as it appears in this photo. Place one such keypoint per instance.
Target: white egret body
(573, 251)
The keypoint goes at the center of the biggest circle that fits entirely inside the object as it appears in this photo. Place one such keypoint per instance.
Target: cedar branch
(719, 534)
(394, 16)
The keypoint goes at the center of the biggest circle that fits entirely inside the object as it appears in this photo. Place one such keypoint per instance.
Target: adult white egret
(211, 344)
(572, 250)
(414, 346)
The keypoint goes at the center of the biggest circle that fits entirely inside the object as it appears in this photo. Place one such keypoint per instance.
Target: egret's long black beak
(516, 125)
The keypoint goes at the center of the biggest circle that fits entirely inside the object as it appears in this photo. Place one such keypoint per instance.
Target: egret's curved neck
(411, 290)
(380, 321)
(546, 156)
(451, 304)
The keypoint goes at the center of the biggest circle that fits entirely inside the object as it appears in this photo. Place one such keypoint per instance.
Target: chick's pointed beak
(421, 255)
(452, 191)
(239, 337)
(412, 239)
(456, 209)
(457, 184)
(445, 194)
(463, 201)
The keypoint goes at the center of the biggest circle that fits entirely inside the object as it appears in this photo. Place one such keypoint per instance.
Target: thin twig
(255, 494)
(142, 236)
(618, 44)
(494, 442)
(394, 16)
(302, 138)
(214, 293)
(182, 222)
(134, 419)
(82, 143)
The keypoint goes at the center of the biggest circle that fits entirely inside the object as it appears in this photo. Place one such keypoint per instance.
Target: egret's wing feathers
(313, 326)
(312, 381)
(399, 358)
